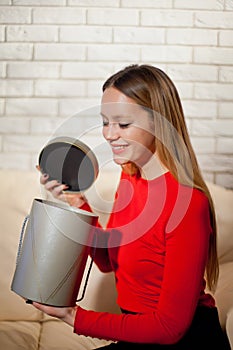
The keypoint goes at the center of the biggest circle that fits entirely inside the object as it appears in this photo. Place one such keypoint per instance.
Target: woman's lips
(117, 149)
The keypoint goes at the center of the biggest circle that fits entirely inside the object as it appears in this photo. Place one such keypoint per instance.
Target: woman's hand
(58, 191)
(66, 314)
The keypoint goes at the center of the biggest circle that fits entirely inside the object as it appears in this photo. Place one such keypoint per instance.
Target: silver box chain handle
(21, 238)
(88, 272)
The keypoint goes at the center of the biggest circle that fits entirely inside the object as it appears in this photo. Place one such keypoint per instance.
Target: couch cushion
(223, 200)
(19, 335)
(229, 326)
(57, 335)
(224, 291)
(17, 192)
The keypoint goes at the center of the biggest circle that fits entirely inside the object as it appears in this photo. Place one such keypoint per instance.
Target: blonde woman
(161, 235)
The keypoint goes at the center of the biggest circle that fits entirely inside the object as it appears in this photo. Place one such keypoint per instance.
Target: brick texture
(56, 54)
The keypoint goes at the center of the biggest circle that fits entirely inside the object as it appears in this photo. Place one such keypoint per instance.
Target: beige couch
(23, 327)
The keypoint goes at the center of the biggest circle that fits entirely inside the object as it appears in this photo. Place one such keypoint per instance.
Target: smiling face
(127, 127)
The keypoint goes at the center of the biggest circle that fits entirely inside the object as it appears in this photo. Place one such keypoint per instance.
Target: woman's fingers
(55, 186)
(67, 314)
(51, 310)
(58, 191)
(44, 178)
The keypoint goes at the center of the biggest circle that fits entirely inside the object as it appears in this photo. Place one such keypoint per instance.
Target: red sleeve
(100, 254)
(186, 254)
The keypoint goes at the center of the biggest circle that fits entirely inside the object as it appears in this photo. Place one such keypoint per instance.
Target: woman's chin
(120, 160)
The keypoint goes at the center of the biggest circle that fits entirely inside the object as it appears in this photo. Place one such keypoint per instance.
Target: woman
(161, 235)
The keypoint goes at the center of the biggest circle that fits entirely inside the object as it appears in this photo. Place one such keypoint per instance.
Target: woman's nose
(111, 132)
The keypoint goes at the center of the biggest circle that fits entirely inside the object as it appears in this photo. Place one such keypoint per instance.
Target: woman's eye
(105, 123)
(124, 125)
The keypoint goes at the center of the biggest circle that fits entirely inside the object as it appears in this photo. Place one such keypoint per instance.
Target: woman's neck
(153, 168)
(149, 171)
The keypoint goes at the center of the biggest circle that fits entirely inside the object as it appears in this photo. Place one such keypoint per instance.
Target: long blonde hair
(152, 89)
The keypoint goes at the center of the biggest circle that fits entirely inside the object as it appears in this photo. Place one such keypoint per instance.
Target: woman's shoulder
(186, 204)
(182, 192)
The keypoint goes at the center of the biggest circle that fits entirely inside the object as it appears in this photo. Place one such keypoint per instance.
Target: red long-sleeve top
(158, 238)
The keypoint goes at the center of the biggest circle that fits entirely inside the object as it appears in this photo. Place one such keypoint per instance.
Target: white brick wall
(55, 55)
